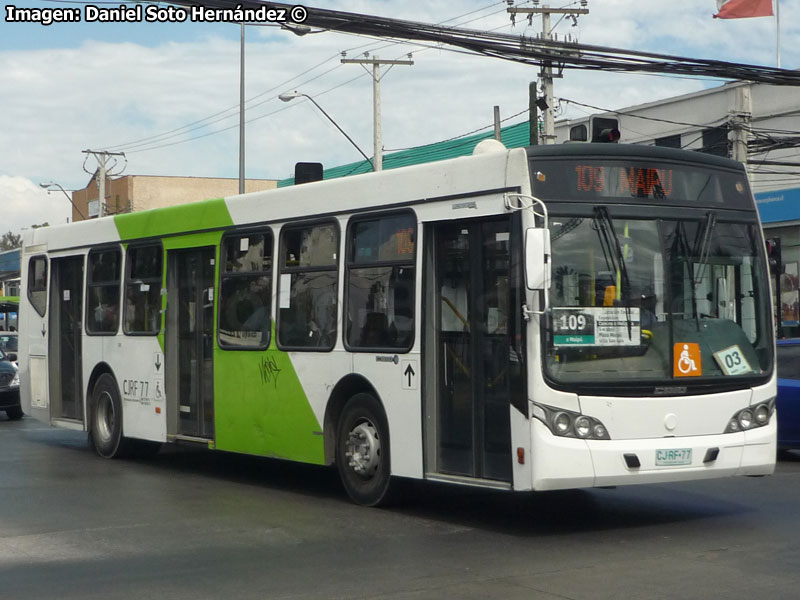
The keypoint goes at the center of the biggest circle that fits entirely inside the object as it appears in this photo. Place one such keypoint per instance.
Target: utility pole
(546, 74)
(778, 31)
(740, 117)
(103, 171)
(376, 63)
(533, 115)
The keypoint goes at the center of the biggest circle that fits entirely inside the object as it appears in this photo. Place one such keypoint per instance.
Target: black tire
(14, 413)
(362, 451)
(105, 425)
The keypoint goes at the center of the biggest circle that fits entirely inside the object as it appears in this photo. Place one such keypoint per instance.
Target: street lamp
(51, 184)
(289, 96)
(241, 113)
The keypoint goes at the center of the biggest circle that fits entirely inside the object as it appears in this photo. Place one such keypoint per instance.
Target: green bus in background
(9, 313)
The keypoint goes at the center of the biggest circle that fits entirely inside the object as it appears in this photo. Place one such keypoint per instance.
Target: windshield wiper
(700, 249)
(702, 245)
(610, 241)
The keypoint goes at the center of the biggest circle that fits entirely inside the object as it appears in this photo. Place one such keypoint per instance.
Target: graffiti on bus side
(269, 371)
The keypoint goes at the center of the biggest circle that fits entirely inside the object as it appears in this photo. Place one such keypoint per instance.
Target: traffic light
(774, 255)
(604, 129)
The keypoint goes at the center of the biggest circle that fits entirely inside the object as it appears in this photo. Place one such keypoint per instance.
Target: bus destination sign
(628, 181)
(641, 182)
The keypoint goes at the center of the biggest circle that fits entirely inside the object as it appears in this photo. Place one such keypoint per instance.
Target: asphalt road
(194, 524)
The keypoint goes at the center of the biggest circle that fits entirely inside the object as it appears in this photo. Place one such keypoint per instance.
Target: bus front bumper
(562, 463)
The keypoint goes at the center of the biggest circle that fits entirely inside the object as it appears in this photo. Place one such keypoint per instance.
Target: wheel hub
(104, 423)
(363, 449)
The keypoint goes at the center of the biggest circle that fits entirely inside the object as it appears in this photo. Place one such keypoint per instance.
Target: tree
(10, 241)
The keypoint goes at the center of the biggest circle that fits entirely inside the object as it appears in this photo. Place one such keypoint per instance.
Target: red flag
(742, 9)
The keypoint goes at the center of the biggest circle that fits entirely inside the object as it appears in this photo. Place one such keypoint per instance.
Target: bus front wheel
(105, 430)
(362, 450)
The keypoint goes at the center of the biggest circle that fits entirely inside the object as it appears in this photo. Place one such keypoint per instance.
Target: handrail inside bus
(452, 306)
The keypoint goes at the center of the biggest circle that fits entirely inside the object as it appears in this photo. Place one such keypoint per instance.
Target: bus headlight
(761, 414)
(562, 423)
(745, 419)
(583, 427)
(565, 423)
(751, 417)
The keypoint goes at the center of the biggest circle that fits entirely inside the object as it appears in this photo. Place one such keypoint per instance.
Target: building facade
(140, 192)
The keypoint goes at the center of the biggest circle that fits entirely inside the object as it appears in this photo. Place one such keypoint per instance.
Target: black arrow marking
(158, 362)
(410, 373)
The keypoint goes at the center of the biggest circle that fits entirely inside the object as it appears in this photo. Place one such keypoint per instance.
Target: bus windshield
(668, 300)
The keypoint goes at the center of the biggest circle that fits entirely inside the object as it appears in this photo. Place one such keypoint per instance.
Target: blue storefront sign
(779, 206)
(9, 261)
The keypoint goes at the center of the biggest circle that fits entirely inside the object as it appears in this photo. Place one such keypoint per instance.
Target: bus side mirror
(537, 259)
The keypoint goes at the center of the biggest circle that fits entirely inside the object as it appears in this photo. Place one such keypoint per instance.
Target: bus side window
(309, 264)
(245, 303)
(143, 290)
(102, 291)
(380, 283)
(37, 284)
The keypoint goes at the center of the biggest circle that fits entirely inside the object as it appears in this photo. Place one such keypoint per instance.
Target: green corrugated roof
(513, 136)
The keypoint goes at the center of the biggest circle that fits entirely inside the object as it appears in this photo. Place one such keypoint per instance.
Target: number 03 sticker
(732, 361)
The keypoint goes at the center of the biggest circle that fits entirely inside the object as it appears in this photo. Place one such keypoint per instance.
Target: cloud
(24, 204)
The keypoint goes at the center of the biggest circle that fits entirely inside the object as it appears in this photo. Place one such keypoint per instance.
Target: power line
(258, 118)
(486, 43)
(774, 163)
(775, 172)
(628, 114)
(772, 181)
(146, 143)
(527, 50)
(221, 115)
(372, 48)
(764, 144)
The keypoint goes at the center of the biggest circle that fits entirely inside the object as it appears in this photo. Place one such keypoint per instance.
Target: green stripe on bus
(194, 216)
(260, 407)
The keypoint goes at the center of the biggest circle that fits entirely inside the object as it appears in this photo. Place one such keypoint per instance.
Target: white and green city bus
(528, 319)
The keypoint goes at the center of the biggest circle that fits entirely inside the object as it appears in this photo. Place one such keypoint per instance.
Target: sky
(167, 94)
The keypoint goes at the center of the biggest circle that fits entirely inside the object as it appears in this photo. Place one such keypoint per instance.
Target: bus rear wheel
(14, 413)
(105, 430)
(362, 450)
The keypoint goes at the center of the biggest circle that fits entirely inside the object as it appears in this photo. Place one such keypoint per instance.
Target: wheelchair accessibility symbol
(686, 360)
